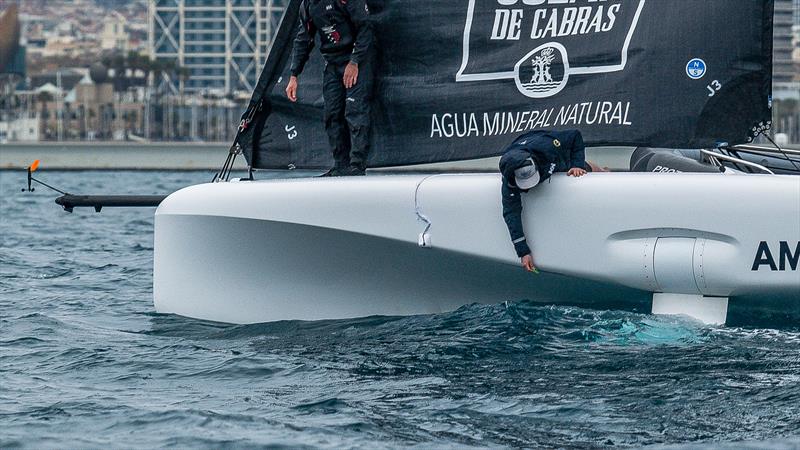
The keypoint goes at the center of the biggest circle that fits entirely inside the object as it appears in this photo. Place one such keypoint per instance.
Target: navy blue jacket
(343, 26)
(553, 151)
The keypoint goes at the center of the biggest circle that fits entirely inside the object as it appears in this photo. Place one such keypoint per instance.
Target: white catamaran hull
(330, 248)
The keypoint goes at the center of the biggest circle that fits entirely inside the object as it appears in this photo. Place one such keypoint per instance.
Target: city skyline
(221, 43)
(185, 69)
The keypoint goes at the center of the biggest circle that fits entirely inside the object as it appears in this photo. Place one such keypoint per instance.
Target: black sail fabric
(460, 79)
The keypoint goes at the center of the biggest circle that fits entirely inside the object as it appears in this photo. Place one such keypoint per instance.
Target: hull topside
(335, 248)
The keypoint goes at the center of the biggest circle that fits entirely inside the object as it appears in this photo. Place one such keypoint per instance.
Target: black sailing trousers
(347, 112)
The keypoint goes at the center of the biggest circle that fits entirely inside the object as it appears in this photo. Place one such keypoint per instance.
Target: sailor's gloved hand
(350, 75)
(527, 263)
(291, 89)
(576, 172)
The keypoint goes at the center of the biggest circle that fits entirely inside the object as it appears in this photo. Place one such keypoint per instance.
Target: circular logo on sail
(543, 72)
(696, 68)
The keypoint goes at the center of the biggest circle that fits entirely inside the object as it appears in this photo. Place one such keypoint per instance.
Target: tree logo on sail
(541, 67)
(596, 36)
(542, 72)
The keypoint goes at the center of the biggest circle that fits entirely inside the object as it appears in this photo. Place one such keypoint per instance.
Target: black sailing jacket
(343, 26)
(553, 151)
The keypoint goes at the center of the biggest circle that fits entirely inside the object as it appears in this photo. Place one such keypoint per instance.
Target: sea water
(85, 362)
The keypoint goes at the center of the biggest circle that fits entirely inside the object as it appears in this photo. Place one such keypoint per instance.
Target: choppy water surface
(85, 361)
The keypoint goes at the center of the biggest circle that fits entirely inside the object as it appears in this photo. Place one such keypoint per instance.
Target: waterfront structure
(221, 44)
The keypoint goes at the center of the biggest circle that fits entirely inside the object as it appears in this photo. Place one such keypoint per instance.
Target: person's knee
(357, 114)
(333, 112)
(331, 120)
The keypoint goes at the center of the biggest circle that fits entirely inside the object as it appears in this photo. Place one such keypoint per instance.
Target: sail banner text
(460, 79)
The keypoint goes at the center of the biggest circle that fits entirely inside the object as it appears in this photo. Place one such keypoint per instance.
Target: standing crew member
(529, 160)
(346, 40)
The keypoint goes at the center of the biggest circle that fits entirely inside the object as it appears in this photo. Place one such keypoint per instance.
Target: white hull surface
(331, 248)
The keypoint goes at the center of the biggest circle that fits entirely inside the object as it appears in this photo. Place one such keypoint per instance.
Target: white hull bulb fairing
(309, 249)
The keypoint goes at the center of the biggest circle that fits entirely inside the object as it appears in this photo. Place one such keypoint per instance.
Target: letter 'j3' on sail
(499, 34)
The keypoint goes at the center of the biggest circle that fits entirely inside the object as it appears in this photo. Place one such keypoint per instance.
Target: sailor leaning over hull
(529, 160)
(346, 43)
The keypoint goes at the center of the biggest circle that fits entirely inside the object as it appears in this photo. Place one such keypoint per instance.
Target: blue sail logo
(696, 68)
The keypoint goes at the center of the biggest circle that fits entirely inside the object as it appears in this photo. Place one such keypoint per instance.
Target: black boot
(335, 172)
(353, 171)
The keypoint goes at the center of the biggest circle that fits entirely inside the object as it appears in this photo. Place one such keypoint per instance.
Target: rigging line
(737, 166)
(234, 153)
(219, 175)
(794, 163)
(48, 186)
(227, 168)
(216, 175)
(230, 168)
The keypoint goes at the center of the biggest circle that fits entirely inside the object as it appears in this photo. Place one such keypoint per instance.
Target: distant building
(22, 129)
(221, 43)
(115, 34)
(9, 42)
(65, 79)
(797, 13)
(796, 34)
(782, 64)
(13, 68)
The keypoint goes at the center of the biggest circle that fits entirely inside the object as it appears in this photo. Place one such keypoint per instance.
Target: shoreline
(205, 156)
(183, 156)
(209, 156)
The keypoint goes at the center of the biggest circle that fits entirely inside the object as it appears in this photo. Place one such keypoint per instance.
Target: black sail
(459, 79)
